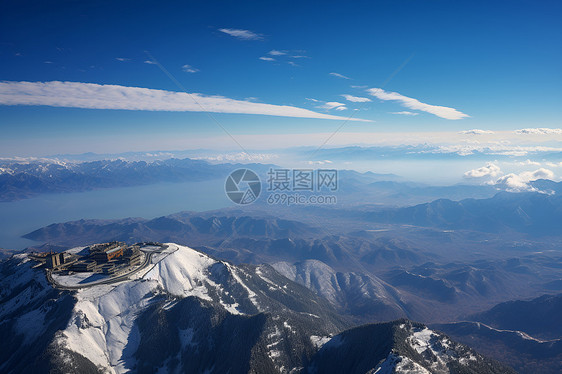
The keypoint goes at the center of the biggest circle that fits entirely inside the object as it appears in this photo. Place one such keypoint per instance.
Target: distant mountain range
(180, 227)
(367, 277)
(25, 179)
(20, 180)
(531, 212)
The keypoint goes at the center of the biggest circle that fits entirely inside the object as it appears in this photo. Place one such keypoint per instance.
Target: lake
(21, 217)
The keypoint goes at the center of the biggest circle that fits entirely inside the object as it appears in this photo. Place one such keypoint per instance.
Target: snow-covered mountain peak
(181, 271)
(188, 312)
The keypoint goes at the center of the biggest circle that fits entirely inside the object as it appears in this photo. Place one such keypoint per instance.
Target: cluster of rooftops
(106, 258)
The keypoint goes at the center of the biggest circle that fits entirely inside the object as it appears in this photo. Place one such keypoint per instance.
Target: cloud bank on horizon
(538, 131)
(99, 96)
(476, 132)
(411, 103)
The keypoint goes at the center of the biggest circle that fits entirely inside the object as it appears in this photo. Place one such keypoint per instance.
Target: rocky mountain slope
(525, 353)
(189, 312)
(540, 317)
(398, 347)
(363, 296)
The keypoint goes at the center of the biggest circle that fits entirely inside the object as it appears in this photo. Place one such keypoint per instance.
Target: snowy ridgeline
(188, 312)
(104, 323)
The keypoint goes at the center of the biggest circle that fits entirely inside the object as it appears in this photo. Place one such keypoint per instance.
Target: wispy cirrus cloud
(405, 113)
(122, 59)
(356, 99)
(408, 102)
(328, 105)
(476, 132)
(275, 52)
(283, 56)
(332, 105)
(99, 96)
(538, 131)
(242, 34)
(189, 69)
(338, 75)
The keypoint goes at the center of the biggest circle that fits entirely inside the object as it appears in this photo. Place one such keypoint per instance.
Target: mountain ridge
(204, 314)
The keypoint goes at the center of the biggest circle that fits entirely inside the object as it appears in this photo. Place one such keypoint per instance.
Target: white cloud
(339, 75)
(242, 34)
(97, 96)
(554, 164)
(408, 102)
(122, 59)
(511, 182)
(476, 132)
(284, 56)
(538, 131)
(356, 99)
(189, 69)
(333, 105)
(490, 170)
(405, 113)
(529, 163)
(494, 148)
(328, 105)
(275, 52)
(520, 182)
(150, 62)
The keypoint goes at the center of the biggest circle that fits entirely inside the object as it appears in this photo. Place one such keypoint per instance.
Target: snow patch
(319, 341)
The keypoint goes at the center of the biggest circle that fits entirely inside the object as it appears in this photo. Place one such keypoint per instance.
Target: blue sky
(496, 62)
